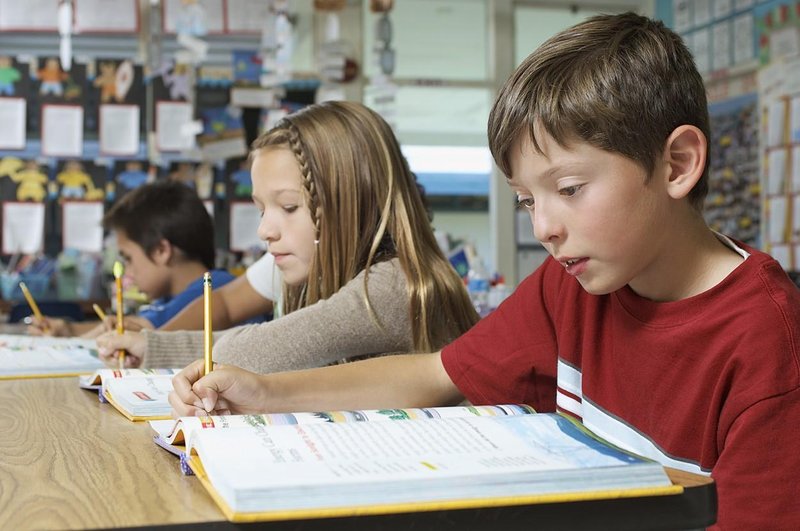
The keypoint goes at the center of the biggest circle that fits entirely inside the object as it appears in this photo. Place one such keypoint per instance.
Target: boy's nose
(546, 226)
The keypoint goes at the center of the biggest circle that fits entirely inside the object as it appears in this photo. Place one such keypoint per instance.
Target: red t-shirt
(709, 384)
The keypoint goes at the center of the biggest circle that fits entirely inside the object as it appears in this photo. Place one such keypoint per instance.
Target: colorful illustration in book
(395, 414)
(31, 182)
(76, 183)
(255, 420)
(9, 75)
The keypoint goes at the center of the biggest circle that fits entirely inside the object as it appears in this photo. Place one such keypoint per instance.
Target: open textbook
(172, 435)
(45, 357)
(323, 469)
(139, 394)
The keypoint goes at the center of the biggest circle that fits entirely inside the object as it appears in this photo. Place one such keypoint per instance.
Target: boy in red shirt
(662, 336)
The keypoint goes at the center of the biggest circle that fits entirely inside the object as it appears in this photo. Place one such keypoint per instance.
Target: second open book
(46, 357)
(139, 394)
(306, 465)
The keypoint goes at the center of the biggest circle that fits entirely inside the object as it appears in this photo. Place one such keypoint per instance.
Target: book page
(18, 341)
(22, 361)
(140, 398)
(350, 464)
(178, 431)
(95, 380)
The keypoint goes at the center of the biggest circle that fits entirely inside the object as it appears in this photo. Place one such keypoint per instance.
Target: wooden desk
(67, 461)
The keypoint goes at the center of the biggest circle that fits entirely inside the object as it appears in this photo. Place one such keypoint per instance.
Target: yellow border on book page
(44, 375)
(472, 503)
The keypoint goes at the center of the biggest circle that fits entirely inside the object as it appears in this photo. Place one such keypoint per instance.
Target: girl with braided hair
(347, 224)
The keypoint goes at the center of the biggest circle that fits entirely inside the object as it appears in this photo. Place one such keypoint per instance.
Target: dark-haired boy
(662, 336)
(165, 238)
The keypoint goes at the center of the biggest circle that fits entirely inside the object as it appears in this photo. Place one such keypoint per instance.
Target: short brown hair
(167, 210)
(621, 83)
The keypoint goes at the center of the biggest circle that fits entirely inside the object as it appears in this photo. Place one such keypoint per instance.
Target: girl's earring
(316, 242)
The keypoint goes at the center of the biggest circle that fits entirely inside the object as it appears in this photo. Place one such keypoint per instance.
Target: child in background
(165, 238)
(346, 223)
(660, 335)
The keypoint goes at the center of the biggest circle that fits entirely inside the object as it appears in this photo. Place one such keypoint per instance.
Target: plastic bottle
(478, 288)
(498, 292)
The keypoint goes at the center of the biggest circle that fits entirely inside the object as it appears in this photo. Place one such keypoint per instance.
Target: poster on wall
(62, 130)
(56, 104)
(106, 16)
(115, 106)
(81, 223)
(30, 15)
(244, 221)
(194, 17)
(733, 203)
(23, 227)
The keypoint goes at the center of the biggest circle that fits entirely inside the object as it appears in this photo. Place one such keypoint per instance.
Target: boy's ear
(685, 157)
(162, 253)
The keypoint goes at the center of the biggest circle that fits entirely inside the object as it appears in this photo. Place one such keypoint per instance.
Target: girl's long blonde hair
(367, 208)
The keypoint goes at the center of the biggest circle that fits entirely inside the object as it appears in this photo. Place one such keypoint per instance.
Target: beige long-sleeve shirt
(336, 328)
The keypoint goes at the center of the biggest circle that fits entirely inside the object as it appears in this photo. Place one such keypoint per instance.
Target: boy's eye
(569, 191)
(525, 202)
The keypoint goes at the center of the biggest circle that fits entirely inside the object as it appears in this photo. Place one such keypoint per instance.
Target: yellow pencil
(32, 303)
(207, 332)
(118, 271)
(99, 311)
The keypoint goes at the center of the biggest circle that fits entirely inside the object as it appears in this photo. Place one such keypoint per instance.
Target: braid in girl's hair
(296, 145)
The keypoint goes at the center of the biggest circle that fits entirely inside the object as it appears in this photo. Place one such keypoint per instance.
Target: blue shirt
(162, 310)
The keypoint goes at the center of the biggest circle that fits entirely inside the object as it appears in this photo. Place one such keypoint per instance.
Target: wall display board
(733, 204)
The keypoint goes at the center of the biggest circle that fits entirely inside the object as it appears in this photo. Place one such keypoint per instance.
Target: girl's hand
(226, 390)
(134, 344)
